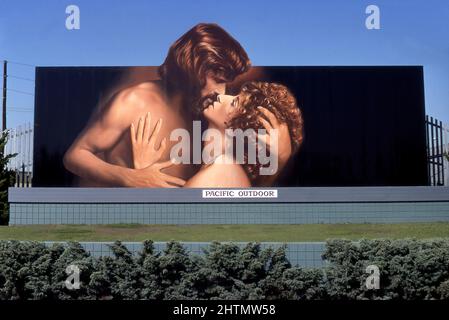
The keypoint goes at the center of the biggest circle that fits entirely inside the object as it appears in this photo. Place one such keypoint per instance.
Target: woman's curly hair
(277, 99)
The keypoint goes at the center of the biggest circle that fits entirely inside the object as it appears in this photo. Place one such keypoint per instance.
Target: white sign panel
(243, 193)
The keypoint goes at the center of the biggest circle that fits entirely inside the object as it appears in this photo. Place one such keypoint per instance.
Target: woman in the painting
(259, 105)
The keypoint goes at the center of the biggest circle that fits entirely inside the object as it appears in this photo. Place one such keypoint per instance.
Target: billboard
(207, 118)
(355, 126)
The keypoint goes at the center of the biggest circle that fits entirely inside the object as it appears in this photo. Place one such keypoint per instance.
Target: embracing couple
(129, 141)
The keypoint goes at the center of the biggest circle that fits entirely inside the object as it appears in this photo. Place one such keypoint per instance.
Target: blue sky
(281, 32)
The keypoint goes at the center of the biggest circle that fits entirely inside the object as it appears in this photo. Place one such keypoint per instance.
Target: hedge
(409, 269)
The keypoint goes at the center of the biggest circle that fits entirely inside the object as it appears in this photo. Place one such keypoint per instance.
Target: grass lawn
(277, 233)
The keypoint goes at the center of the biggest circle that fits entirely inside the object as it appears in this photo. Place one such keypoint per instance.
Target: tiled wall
(304, 254)
(227, 213)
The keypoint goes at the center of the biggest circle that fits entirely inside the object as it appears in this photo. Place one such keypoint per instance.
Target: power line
(18, 91)
(20, 111)
(20, 63)
(17, 107)
(20, 78)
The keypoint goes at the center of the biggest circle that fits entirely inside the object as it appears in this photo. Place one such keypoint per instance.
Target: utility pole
(5, 72)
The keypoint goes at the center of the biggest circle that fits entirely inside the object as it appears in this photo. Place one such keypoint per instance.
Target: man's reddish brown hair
(204, 50)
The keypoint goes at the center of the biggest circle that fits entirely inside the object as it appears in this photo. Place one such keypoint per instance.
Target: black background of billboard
(364, 126)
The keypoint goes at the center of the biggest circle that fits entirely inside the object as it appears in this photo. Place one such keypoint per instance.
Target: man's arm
(101, 134)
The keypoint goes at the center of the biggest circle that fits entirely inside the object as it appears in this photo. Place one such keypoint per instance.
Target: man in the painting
(198, 64)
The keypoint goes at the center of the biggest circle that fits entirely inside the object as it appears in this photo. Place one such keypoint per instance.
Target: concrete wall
(186, 206)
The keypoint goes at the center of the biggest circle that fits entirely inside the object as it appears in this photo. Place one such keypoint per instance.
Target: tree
(7, 178)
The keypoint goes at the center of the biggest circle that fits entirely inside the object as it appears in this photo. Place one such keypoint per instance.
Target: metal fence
(21, 142)
(435, 151)
(302, 254)
(446, 151)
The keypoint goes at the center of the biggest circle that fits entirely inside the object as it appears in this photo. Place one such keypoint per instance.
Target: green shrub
(409, 269)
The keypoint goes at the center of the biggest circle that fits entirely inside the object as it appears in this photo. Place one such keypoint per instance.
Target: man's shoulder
(140, 95)
(133, 101)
